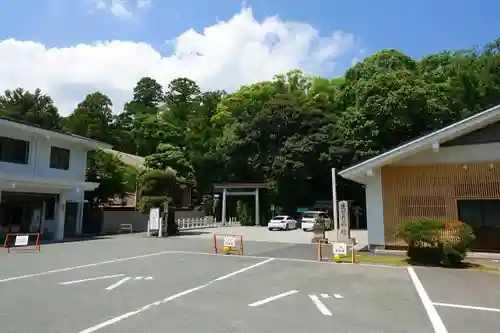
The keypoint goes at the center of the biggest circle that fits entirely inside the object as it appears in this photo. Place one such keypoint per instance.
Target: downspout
(35, 155)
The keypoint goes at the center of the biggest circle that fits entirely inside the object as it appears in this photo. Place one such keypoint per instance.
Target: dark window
(50, 205)
(59, 158)
(14, 150)
(479, 213)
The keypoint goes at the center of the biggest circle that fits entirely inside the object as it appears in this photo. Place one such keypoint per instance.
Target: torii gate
(230, 186)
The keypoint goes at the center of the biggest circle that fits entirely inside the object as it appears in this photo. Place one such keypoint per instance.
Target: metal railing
(204, 222)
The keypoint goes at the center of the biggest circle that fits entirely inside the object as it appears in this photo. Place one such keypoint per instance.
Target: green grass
(365, 257)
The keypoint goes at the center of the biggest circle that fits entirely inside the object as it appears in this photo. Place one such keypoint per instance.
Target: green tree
(93, 118)
(139, 126)
(156, 187)
(32, 107)
(148, 92)
(114, 177)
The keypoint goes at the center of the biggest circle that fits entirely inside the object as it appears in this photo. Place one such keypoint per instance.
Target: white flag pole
(335, 205)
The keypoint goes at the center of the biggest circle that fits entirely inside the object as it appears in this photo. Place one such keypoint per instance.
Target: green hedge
(437, 242)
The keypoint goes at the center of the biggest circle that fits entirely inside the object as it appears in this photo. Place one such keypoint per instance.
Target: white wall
(77, 161)
(375, 210)
(39, 157)
(487, 152)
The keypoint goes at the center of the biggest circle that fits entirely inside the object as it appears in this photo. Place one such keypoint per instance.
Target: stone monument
(319, 228)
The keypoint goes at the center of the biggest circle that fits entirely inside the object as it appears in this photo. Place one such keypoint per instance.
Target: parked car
(282, 222)
(307, 221)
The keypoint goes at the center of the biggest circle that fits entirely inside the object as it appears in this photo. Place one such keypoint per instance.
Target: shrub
(456, 239)
(435, 241)
(242, 213)
(423, 239)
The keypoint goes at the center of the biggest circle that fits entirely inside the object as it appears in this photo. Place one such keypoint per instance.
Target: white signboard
(21, 240)
(339, 248)
(229, 241)
(154, 219)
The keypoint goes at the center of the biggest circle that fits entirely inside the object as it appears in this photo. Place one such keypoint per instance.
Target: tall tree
(138, 126)
(148, 92)
(32, 107)
(93, 118)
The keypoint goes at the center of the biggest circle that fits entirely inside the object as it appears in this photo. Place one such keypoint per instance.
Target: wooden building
(450, 174)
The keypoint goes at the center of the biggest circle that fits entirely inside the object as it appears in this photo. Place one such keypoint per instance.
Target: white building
(450, 174)
(42, 180)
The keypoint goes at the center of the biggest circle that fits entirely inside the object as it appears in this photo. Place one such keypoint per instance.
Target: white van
(308, 220)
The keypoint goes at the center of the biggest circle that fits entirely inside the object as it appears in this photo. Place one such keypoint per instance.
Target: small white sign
(21, 240)
(229, 241)
(154, 219)
(339, 248)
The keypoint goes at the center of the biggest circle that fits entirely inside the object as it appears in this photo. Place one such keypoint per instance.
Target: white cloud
(225, 56)
(124, 9)
(143, 3)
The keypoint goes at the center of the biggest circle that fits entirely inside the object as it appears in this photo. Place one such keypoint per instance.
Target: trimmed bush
(436, 242)
(456, 239)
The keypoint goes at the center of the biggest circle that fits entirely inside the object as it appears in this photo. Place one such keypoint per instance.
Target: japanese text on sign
(21, 240)
(229, 241)
(344, 228)
(339, 248)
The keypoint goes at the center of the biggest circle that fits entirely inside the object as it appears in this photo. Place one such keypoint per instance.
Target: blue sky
(417, 27)
(230, 54)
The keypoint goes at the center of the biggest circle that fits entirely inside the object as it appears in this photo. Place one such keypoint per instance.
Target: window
(14, 150)
(479, 213)
(59, 158)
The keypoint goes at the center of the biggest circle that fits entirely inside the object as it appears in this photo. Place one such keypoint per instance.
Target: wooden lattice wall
(432, 191)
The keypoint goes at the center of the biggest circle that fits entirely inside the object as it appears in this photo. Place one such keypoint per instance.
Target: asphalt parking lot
(134, 284)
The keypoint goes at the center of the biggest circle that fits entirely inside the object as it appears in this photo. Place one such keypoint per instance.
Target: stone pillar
(60, 216)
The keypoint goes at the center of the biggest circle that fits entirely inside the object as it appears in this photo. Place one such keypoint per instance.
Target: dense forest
(288, 132)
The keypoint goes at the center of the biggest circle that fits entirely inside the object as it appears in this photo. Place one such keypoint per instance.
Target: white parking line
(26, 276)
(91, 279)
(85, 266)
(168, 299)
(117, 284)
(273, 298)
(433, 315)
(469, 307)
(321, 307)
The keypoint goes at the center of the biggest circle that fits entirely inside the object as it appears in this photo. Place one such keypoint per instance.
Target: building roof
(129, 159)
(66, 136)
(463, 127)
